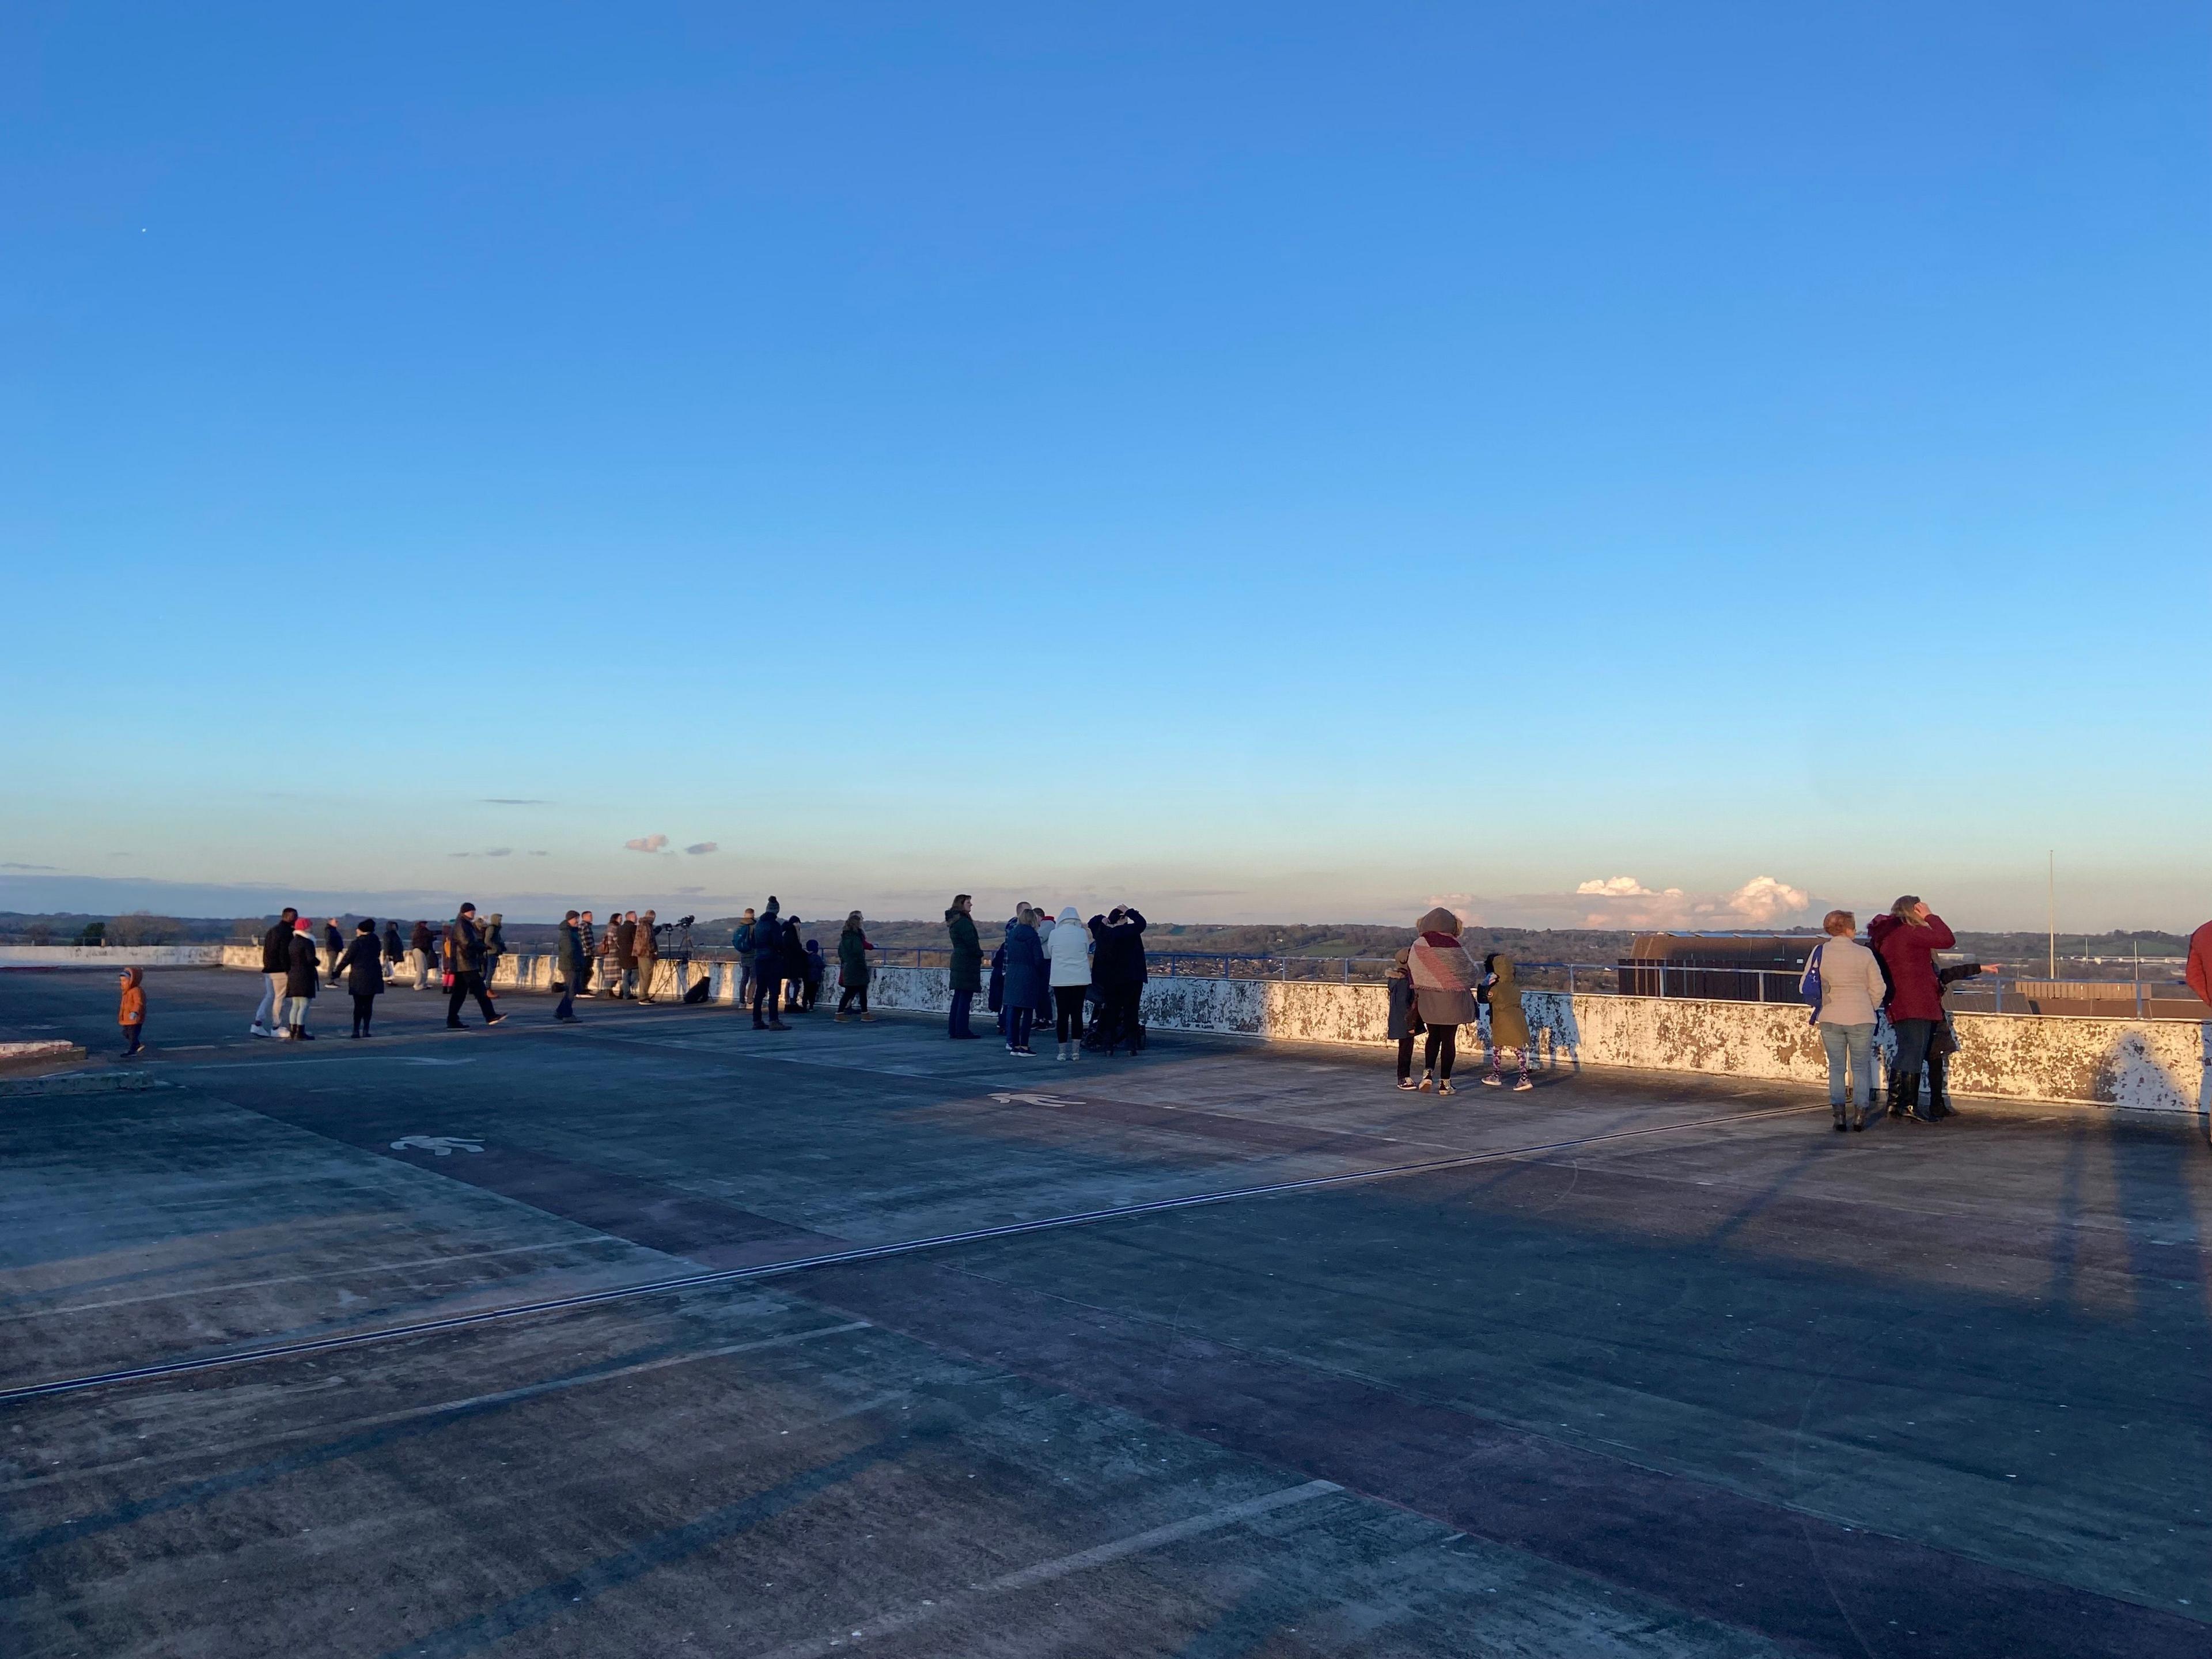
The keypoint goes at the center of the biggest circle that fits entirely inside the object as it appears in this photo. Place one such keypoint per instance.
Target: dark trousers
(130, 1043)
(465, 987)
(364, 1010)
(850, 995)
(956, 1023)
(1120, 1016)
(1019, 1023)
(1068, 1005)
(566, 1008)
(1405, 1058)
(1441, 1049)
(765, 987)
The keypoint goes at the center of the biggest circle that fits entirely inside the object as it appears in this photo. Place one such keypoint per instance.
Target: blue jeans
(957, 1026)
(1856, 1041)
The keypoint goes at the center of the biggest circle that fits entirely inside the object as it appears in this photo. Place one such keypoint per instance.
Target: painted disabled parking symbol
(443, 1146)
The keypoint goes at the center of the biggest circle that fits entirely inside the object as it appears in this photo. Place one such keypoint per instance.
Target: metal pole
(2051, 913)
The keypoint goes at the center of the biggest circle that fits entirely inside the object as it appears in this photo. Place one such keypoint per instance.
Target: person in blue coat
(1024, 970)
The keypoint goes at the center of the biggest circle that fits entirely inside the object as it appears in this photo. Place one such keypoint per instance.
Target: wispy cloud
(704, 846)
(25, 866)
(646, 843)
(498, 852)
(537, 854)
(513, 800)
(690, 890)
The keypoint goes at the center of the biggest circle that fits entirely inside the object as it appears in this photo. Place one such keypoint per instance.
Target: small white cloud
(1765, 901)
(704, 846)
(646, 843)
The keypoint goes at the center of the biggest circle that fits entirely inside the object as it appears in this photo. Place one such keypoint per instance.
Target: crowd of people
(1087, 981)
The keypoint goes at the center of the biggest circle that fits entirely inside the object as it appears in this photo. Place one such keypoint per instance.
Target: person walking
(394, 952)
(572, 961)
(767, 967)
(130, 1011)
(853, 948)
(464, 970)
(1118, 964)
(494, 947)
(1405, 1015)
(1068, 965)
(361, 963)
(1906, 940)
(648, 948)
(741, 941)
(964, 964)
(1850, 989)
(1025, 974)
(1443, 977)
(334, 943)
(1509, 1022)
(420, 946)
(302, 973)
(588, 937)
(276, 965)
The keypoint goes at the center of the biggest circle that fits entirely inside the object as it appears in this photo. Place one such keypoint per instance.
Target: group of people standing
(292, 970)
(1045, 969)
(1894, 973)
(1434, 988)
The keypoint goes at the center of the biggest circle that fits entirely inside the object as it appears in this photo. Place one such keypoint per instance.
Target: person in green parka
(967, 975)
(1509, 1024)
(853, 948)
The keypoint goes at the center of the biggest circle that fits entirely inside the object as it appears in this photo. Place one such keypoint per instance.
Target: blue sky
(1279, 462)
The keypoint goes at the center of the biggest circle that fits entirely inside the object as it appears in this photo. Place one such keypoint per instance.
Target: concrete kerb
(2155, 1066)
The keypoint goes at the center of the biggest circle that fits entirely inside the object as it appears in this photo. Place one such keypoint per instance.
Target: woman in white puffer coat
(1067, 954)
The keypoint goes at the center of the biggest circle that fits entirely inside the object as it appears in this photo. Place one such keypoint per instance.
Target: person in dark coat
(853, 948)
(302, 974)
(362, 964)
(1117, 964)
(422, 947)
(1022, 964)
(334, 945)
(464, 970)
(494, 947)
(394, 952)
(572, 964)
(1906, 940)
(795, 968)
(994, 989)
(965, 974)
(767, 967)
(276, 965)
(1405, 1015)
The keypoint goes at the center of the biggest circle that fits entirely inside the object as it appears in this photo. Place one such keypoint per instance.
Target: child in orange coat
(132, 1014)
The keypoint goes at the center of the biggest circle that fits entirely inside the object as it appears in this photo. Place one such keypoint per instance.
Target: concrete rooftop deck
(1661, 1367)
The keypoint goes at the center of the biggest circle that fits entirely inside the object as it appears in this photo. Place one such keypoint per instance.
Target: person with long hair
(1024, 971)
(853, 948)
(965, 972)
(1906, 940)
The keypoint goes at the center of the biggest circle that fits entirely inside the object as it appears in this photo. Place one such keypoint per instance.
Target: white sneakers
(259, 1031)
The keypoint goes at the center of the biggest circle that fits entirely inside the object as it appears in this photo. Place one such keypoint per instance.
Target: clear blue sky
(1269, 461)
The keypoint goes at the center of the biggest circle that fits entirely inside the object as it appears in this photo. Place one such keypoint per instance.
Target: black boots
(1939, 1093)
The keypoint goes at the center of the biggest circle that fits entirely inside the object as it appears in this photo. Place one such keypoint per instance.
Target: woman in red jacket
(1906, 940)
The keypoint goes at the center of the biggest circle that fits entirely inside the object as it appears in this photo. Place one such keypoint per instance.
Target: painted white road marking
(444, 1145)
(1035, 1100)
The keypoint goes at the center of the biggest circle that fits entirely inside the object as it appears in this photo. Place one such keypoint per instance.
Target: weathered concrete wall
(2152, 1064)
(117, 955)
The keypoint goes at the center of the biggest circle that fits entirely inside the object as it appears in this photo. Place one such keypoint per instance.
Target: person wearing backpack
(1843, 981)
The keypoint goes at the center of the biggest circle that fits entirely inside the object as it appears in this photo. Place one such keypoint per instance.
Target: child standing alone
(131, 1015)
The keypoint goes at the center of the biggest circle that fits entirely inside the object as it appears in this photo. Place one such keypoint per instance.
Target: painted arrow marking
(443, 1146)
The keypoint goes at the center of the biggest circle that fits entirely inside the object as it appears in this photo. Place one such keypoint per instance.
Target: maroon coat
(1909, 953)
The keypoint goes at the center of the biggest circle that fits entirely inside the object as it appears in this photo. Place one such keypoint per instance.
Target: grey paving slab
(1672, 1371)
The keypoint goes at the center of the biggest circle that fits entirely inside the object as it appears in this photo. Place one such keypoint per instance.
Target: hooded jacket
(494, 936)
(767, 943)
(300, 975)
(1068, 950)
(132, 1009)
(1509, 1022)
(967, 964)
(648, 948)
(1444, 974)
(1909, 953)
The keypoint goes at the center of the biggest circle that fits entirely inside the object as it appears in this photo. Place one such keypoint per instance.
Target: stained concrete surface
(1739, 1386)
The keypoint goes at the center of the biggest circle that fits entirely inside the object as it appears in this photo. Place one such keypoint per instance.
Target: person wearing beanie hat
(302, 974)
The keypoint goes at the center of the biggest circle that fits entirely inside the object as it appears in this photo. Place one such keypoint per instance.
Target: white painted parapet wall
(2149, 1064)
